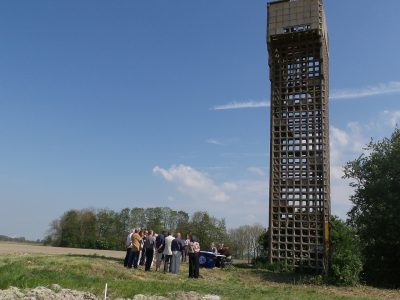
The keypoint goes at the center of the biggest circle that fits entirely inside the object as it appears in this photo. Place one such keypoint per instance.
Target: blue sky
(113, 104)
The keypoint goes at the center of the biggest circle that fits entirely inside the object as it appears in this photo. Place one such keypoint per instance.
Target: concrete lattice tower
(299, 200)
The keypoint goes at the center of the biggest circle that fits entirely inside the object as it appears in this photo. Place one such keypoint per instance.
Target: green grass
(91, 273)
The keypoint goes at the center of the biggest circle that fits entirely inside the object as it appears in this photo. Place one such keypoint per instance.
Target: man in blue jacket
(160, 243)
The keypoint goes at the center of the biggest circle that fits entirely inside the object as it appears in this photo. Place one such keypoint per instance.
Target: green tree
(182, 220)
(376, 209)
(208, 229)
(137, 218)
(153, 216)
(263, 242)
(123, 219)
(244, 240)
(238, 243)
(87, 228)
(70, 229)
(346, 260)
(107, 229)
(109, 235)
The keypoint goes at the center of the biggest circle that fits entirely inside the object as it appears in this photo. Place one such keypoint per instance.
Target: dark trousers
(128, 253)
(193, 265)
(133, 259)
(142, 257)
(149, 258)
(167, 263)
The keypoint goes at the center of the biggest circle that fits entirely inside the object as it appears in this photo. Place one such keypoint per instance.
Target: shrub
(375, 177)
(346, 260)
(262, 262)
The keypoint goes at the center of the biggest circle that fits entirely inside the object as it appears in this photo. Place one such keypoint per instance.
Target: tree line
(107, 229)
(20, 239)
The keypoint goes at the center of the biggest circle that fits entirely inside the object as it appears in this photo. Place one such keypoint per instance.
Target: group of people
(143, 247)
(221, 254)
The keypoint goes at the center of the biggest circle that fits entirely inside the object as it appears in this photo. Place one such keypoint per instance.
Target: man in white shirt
(168, 252)
(128, 246)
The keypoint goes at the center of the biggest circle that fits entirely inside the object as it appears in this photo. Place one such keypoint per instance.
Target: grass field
(87, 270)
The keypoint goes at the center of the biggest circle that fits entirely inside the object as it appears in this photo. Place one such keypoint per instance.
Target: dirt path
(21, 249)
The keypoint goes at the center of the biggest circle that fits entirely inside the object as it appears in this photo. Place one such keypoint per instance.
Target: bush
(262, 262)
(346, 261)
(375, 213)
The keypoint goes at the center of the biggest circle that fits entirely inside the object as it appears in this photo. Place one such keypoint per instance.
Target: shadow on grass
(266, 275)
(271, 276)
(280, 277)
(243, 266)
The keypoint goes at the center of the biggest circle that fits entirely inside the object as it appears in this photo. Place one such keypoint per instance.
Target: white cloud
(339, 136)
(392, 87)
(257, 171)
(242, 105)
(336, 172)
(347, 144)
(239, 202)
(246, 201)
(392, 118)
(229, 186)
(193, 183)
(214, 142)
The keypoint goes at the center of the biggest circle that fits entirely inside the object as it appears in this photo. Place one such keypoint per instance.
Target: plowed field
(21, 249)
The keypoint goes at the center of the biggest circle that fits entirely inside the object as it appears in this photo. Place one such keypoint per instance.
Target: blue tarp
(207, 259)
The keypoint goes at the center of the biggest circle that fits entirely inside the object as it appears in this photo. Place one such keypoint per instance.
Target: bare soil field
(7, 248)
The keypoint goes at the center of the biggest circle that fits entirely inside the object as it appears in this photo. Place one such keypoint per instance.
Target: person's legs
(178, 262)
(197, 265)
(170, 263)
(130, 259)
(139, 256)
(186, 254)
(142, 257)
(128, 253)
(135, 258)
(173, 262)
(149, 258)
(191, 265)
(158, 261)
(167, 263)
